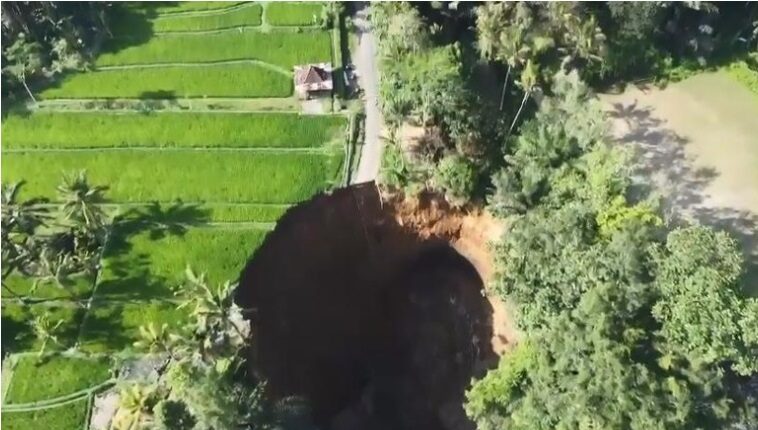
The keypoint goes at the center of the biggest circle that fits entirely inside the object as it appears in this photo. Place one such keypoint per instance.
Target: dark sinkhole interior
(376, 327)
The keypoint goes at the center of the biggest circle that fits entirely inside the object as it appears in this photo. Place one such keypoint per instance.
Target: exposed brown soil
(374, 311)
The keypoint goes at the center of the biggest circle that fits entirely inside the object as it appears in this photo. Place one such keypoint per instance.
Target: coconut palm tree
(81, 201)
(23, 217)
(134, 407)
(584, 40)
(24, 59)
(56, 267)
(45, 331)
(218, 324)
(528, 84)
(157, 339)
(18, 239)
(502, 31)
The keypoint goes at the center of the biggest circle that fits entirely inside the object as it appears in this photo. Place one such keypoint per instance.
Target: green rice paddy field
(242, 16)
(145, 263)
(73, 373)
(291, 13)
(212, 80)
(169, 129)
(199, 188)
(61, 417)
(195, 6)
(190, 176)
(282, 48)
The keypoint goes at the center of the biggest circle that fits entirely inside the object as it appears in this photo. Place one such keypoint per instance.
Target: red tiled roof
(311, 75)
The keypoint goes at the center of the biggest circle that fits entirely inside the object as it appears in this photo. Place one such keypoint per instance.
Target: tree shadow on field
(159, 220)
(131, 275)
(159, 94)
(104, 327)
(663, 168)
(129, 25)
(661, 165)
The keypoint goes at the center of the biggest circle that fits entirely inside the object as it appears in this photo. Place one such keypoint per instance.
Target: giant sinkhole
(378, 324)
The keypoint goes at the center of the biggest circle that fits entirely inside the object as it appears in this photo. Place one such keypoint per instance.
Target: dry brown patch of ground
(697, 142)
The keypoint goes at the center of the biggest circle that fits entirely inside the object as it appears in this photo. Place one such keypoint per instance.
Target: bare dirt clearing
(375, 311)
(698, 146)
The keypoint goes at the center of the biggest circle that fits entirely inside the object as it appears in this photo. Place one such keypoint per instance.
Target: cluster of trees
(205, 381)
(201, 384)
(424, 83)
(428, 73)
(661, 39)
(625, 326)
(612, 41)
(42, 39)
(53, 243)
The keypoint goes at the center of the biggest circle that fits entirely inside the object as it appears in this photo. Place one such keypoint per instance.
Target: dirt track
(370, 311)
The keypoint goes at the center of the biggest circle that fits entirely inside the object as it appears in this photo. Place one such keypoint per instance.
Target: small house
(313, 80)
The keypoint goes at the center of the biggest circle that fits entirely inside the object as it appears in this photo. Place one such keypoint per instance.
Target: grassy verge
(293, 13)
(18, 334)
(741, 72)
(195, 176)
(284, 49)
(212, 80)
(48, 377)
(250, 15)
(148, 261)
(115, 327)
(168, 129)
(70, 416)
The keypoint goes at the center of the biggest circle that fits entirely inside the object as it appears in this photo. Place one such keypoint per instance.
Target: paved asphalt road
(368, 77)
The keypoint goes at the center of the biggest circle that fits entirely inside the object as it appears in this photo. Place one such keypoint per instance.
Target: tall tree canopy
(45, 38)
(624, 329)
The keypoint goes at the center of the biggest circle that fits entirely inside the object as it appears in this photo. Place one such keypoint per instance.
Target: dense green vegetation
(612, 303)
(62, 376)
(64, 417)
(284, 49)
(248, 15)
(44, 39)
(127, 274)
(168, 129)
(743, 73)
(671, 312)
(195, 176)
(292, 13)
(212, 80)
(425, 82)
